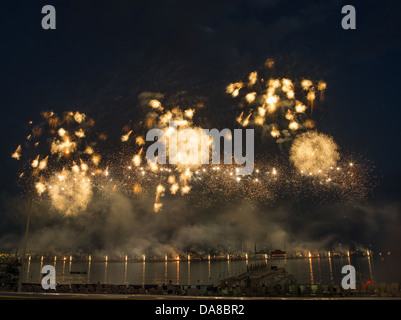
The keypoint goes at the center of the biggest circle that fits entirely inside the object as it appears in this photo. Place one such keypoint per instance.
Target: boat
(278, 254)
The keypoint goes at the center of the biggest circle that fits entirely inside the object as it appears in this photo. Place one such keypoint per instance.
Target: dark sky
(104, 53)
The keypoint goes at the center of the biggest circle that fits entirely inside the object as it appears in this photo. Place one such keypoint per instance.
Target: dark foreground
(72, 296)
(109, 291)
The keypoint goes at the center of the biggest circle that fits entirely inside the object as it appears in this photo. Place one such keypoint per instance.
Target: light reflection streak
(178, 272)
(143, 273)
(189, 272)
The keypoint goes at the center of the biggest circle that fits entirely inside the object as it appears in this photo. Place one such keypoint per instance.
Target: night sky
(104, 53)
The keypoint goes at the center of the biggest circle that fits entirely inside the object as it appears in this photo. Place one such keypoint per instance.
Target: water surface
(305, 270)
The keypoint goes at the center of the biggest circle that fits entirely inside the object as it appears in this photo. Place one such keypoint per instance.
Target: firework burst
(67, 166)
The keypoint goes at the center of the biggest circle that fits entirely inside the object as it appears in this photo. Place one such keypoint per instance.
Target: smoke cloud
(121, 225)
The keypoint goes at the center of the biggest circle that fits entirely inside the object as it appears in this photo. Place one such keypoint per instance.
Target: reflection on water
(27, 269)
(331, 270)
(125, 271)
(105, 272)
(325, 270)
(311, 271)
(370, 269)
(143, 271)
(189, 272)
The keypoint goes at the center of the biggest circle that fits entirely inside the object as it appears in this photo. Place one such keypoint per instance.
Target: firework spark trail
(159, 193)
(17, 153)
